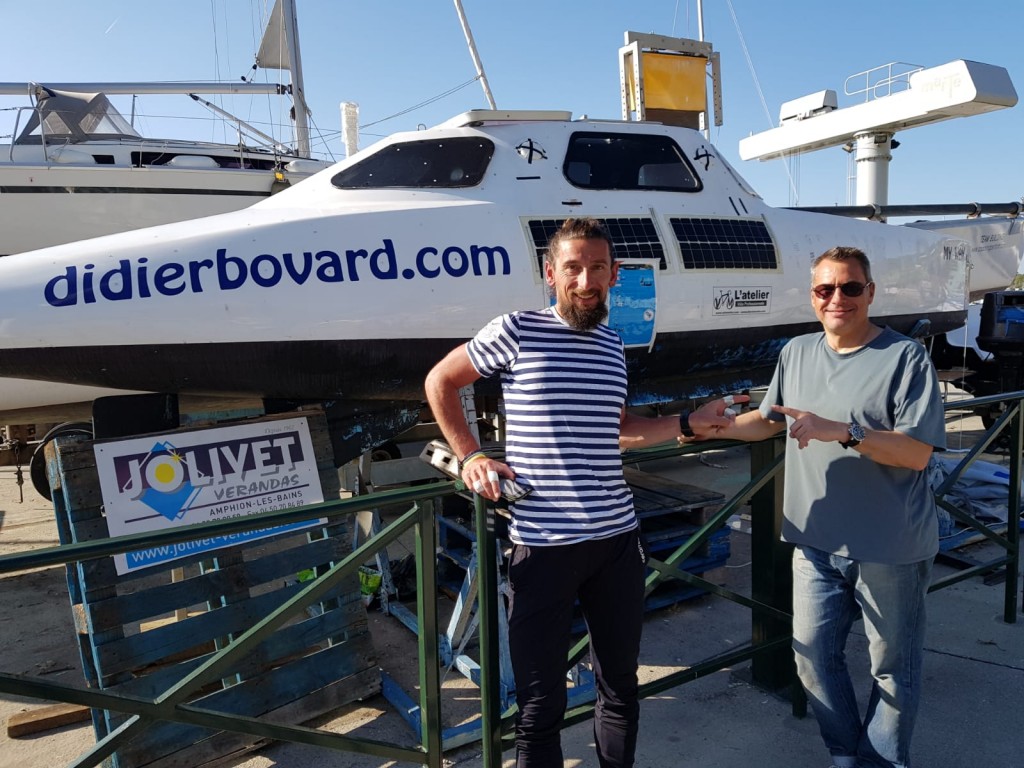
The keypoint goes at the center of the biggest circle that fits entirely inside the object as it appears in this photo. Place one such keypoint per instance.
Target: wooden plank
(219, 749)
(349, 621)
(159, 599)
(101, 572)
(348, 655)
(75, 452)
(92, 528)
(81, 488)
(300, 684)
(45, 719)
(139, 650)
(144, 649)
(330, 698)
(79, 589)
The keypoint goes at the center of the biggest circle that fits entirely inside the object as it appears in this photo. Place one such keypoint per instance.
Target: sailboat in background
(76, 168)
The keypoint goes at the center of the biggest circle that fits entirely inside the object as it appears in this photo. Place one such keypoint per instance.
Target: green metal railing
(1008, 426)
(770, 602)
(172, 705)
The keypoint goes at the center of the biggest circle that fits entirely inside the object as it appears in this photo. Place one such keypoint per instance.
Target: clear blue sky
(388, 56)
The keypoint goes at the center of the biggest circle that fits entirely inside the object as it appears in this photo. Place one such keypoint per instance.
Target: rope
(757, 85)
(431, 100)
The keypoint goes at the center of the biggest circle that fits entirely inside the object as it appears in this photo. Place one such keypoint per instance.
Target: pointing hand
(809, 426)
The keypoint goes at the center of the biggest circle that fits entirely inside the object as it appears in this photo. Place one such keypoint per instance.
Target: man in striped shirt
(563, 377)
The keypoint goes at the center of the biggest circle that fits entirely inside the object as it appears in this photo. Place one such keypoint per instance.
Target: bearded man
(575, 537)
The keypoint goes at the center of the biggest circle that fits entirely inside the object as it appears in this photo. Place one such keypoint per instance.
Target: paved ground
(970, 717)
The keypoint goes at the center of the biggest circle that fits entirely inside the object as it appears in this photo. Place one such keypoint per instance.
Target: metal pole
(242, 125)
(472, 52)
(487, 596)
(873, 153)
(426, 611)
(700, 37)
(129, 88)
(771, 574)
(350, 127)
(1013, 516)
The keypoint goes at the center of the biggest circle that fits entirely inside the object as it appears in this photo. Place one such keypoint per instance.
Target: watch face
(856, 431)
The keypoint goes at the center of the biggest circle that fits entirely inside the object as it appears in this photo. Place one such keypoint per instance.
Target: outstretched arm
(640, 431)
(443, 383)
(749, 427)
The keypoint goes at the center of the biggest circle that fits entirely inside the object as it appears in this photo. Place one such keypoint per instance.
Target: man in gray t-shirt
(864, 412)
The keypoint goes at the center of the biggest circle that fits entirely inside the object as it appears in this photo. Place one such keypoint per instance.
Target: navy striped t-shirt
(564, 391)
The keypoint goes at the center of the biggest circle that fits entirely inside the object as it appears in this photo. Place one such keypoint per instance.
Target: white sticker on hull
(737, 300)
(226, 272)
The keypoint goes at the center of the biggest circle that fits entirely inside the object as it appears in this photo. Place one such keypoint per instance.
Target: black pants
(607, 576)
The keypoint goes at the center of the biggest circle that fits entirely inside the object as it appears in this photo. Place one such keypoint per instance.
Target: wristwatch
(856, 435)
(684, 423)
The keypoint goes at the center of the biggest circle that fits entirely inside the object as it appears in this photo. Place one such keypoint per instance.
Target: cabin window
(432, 163)
(633, 238)
(628, 161)
(267, 163)
(724, 243)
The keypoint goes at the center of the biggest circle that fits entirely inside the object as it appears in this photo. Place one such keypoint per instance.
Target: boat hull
(679, 365)
(47, 205)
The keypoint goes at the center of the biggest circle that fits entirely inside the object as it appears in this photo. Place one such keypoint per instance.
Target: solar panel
(634, 238)
(725, 243)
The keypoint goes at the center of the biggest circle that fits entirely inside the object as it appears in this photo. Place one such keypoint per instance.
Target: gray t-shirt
(837, 500)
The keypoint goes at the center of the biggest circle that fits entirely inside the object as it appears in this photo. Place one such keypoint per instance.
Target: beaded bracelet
(471, 457)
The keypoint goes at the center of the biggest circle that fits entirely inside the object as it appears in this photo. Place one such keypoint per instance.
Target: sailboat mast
(291, 27)
(700, 37)
(472, 52)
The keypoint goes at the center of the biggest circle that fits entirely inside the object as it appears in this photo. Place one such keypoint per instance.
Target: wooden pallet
(141, 632)
(670, 512)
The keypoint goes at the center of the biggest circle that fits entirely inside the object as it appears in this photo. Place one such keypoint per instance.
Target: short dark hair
(584, 228)
(845, 253)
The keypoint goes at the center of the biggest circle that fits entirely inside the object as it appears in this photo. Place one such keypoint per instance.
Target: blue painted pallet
(956, 538)
(130, 641)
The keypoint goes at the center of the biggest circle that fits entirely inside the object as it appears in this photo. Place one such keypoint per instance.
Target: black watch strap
(684, 423)
(856, 435)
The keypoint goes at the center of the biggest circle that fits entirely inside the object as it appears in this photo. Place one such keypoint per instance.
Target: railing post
(487, 596)
(1013, 516)
(429, 662)
(771, 572)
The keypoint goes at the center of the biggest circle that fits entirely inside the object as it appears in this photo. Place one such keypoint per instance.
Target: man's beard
(583, 319)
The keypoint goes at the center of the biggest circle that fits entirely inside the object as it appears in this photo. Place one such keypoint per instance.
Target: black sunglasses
(853, 289)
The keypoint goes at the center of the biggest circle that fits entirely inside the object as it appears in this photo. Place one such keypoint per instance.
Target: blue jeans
(830, 593)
